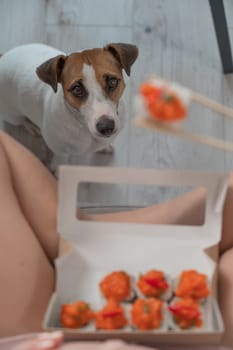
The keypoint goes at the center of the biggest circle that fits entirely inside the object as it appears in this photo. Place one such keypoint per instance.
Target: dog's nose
(105, 126)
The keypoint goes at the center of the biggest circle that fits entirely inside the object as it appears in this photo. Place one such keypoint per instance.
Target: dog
(74, 101)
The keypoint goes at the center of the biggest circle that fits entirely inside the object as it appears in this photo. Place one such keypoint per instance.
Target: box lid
(100, 243)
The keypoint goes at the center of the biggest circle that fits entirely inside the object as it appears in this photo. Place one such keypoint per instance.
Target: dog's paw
(106, 150)
(31, 128)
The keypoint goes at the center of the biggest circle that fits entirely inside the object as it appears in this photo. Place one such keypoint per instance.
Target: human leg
(226, 294)
(36, 190)
(26, 274)
(184, 210)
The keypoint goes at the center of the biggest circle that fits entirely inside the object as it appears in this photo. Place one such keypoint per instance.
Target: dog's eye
(112, 82)
(78, 90)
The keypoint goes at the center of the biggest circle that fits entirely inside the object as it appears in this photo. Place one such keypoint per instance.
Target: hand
(44, 341)
(52, 341)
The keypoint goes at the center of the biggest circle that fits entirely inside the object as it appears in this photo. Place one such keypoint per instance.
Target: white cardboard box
(101, 247)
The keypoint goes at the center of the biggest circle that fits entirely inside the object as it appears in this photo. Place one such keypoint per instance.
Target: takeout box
(101, 247)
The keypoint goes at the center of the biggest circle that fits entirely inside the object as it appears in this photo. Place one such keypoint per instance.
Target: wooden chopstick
(181, 133)
(215, 106)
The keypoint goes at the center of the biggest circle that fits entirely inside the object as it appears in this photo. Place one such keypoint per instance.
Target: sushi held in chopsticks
(163, 106)
(161, 101)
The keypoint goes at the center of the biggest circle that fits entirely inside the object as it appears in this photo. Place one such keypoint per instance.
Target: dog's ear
(126, 54)
(50, 71)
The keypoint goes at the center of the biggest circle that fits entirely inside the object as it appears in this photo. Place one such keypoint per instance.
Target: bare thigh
(26, 274)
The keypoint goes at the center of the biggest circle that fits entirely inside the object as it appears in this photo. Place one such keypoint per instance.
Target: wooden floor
(176, 40)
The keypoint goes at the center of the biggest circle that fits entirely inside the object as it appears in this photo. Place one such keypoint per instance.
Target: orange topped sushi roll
(76, 315)
(147, 313)
(112, 316)
(162, 102)
(192, 284)
(116, 285)
(153, 283)
(186, 313)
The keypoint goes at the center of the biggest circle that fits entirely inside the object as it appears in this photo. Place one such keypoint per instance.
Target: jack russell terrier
(84, 112)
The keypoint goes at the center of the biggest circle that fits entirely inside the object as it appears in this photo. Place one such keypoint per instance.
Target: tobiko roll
(111, 317)
(154, 283)
(76, 315)
(117, 285)
(192, 284)
(147, 314)
(186, 313)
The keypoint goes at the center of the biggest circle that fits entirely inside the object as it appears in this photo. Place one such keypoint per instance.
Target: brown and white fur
(74, 100)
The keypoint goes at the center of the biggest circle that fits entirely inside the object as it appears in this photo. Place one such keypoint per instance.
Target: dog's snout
(105, 126)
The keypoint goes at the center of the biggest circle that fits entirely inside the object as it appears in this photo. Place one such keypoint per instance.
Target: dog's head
(92, 83)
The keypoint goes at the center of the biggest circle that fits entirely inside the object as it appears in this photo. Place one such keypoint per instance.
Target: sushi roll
(111, 317)
(147, 314)
(192, 284)
(186, 314)
(154, 283)
(117, 285)
(76, 315)
(162, 101)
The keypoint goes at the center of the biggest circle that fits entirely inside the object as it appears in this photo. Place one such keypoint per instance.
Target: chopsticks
(183, 134)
